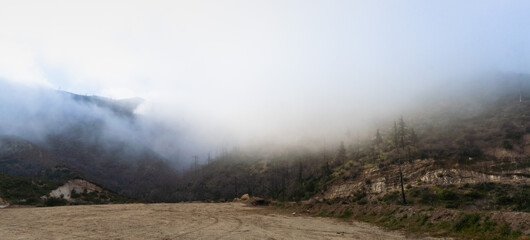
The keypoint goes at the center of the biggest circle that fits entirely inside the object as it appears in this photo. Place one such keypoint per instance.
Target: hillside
(491, 144)
(37, 192)
(452, 166)
(77, 138)
(468, 160)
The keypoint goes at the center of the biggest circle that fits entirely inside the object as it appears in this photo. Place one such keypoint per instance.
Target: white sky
(275, 67)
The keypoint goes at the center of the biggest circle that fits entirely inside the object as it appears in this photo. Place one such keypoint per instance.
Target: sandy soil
(176, 221)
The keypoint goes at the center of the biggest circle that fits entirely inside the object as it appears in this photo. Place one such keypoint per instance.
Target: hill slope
(86, 137)
(471, 147)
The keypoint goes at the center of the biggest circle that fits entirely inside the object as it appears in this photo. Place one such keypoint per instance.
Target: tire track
(222, 221)
(216, 221)
(233, 230)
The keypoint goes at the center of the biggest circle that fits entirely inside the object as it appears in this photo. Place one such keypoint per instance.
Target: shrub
(466, 221)
(423, 219)
(52, 201)
(74, 194)
(474, 195)
(428, 197)
(488, 225)
(505, 230)
(506, 144)
(391, 197)
(448, 195)
(346, 214)
(362, 202)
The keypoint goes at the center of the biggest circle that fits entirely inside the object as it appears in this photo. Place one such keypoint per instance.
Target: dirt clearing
(176, 221)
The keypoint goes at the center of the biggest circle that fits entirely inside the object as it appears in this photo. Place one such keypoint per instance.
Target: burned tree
(399, 141)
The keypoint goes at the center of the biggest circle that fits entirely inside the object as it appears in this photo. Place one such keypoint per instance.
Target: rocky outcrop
(77, 185)
(456, 176)
(344, 190)
(420, 172)
(379, 186)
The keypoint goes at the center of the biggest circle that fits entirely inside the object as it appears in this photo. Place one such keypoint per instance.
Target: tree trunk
(402, 188)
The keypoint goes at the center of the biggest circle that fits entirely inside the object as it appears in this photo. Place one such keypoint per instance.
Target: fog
(222, 74)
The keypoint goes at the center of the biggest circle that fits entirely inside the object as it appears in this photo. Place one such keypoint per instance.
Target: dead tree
(399, 135)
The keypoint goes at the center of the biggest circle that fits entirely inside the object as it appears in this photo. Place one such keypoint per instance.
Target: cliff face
(378, 182)
(76, 185)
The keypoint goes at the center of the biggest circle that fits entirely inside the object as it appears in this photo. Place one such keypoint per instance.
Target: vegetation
(437, 222)
(30, 191)
(25, 191)
(482, 196)
(490, 141)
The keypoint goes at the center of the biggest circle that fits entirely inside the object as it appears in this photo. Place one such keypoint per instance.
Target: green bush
(52, 201)
(474, 195)
(466, 221)
(423, 219)
(346, 214)
(488, 225)
(505, 230)
(448, 195)
(428, 198)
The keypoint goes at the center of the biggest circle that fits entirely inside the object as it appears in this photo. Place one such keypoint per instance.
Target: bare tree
(400, 138)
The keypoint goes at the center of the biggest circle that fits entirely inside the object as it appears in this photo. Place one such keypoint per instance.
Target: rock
(379, 186)
(245, 197)
(3, 203)
(78, 185)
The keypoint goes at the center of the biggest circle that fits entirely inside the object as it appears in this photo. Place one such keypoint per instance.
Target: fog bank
(220, 74)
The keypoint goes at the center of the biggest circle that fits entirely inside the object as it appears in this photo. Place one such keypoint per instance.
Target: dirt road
(176, 221)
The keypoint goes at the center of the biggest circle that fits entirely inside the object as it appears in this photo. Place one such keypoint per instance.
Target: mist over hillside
(271, 72)
(412, 114)
(40, 115)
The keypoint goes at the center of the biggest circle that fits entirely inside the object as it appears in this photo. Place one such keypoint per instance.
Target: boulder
(245, 197)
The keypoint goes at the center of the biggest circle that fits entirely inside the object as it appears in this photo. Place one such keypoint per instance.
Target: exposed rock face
(456, 176)
(343, 190)
(381, 181)
(78, 185)
(418, 172)
(379, 186)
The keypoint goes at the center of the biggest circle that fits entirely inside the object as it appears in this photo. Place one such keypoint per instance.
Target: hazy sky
(261, 67)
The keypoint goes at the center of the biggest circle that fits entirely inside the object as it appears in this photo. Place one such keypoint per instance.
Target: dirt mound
(245, 197)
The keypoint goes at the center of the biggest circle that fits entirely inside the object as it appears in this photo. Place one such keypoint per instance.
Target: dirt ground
(177, 221)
